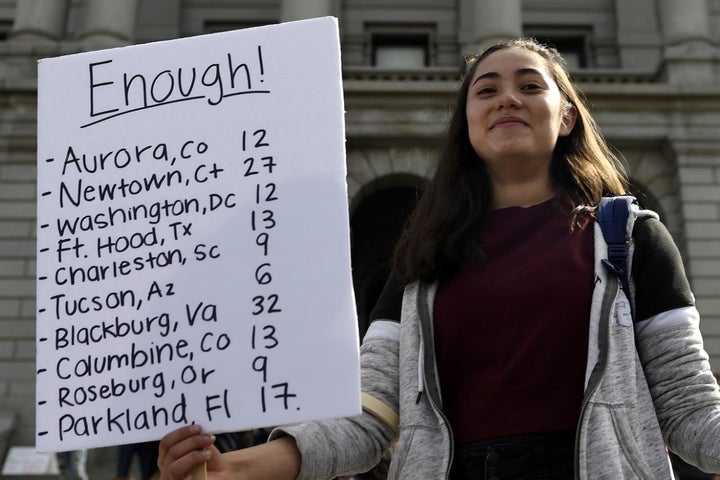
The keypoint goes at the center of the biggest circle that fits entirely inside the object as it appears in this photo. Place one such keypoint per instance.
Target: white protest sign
(193, 238)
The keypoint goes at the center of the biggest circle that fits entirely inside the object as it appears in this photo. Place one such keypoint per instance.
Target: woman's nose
(508, 98)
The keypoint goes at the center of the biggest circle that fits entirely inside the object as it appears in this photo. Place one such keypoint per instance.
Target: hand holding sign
(193, 244)
(187, 447)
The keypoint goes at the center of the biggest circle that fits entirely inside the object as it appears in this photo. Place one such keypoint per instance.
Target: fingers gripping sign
(184, 452)
(188, 454)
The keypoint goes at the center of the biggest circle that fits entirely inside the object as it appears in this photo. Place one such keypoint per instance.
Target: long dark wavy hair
(444, 229)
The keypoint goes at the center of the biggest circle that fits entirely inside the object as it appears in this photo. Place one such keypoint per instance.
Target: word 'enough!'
(114, 92)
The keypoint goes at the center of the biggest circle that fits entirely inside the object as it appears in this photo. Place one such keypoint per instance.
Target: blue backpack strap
(613, 215)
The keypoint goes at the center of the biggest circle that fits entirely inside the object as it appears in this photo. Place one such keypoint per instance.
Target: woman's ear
(568, 120)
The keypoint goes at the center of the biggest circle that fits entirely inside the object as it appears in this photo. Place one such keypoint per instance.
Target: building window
(403, 48)
(574, 46)
(573, 49)
(400, 51)
(5, 27)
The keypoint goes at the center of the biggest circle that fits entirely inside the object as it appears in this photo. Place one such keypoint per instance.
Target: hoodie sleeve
(670, 345)
(346, 446)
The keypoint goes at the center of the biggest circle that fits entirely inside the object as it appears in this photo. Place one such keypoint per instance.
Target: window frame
(417, 35)
(580, 38)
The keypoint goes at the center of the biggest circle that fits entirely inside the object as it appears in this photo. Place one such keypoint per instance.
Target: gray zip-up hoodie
(648, 385)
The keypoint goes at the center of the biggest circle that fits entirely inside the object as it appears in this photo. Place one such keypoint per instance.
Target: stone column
(109, 23)
(689, 48)
(493, 21)
(301, 9)
(638, 35)
(38, 20)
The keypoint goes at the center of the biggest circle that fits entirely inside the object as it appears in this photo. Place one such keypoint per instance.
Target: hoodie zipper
(611, 292)
(426, 333)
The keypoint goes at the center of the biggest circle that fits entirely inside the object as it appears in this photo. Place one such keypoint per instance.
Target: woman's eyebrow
(519, 71)
(485, 75)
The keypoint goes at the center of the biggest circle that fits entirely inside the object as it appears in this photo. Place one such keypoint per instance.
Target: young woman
(501, 347)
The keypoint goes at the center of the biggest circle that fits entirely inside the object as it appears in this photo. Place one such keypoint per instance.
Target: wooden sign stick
(199, 472)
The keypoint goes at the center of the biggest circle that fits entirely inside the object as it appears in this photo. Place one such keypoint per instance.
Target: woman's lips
(508, 121)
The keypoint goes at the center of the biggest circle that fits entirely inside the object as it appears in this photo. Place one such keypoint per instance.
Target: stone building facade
(649, 68)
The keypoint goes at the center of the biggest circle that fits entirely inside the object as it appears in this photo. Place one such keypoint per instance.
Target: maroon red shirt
(511, 333)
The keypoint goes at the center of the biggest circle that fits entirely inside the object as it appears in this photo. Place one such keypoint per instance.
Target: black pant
(546, 456)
